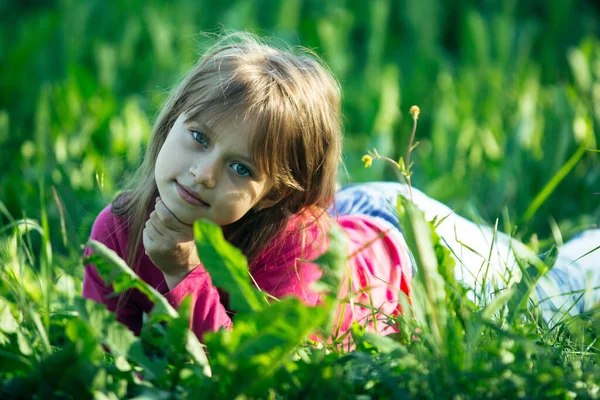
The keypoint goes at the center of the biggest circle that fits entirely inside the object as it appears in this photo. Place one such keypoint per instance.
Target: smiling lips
(189, 196)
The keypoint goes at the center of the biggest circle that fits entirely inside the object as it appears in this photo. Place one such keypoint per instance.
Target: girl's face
(208, 172)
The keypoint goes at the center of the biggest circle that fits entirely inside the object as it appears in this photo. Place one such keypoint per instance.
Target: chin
(186, 220)
(175, 208)
(184, 217)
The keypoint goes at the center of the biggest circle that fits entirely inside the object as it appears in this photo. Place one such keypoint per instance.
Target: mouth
(189, 196)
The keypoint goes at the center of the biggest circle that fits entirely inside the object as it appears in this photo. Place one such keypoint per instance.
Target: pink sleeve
(106, 231)
(208, 313)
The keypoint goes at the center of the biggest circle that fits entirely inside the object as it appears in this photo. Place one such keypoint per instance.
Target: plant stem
(407, 162)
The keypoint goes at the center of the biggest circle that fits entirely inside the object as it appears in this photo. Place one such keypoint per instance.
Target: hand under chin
(182, 217)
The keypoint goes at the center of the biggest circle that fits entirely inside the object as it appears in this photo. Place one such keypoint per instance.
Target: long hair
(293, 103)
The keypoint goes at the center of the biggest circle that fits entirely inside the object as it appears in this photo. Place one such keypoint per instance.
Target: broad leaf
(260, 343)
(227, 266)
(8, 323)
(115, 271)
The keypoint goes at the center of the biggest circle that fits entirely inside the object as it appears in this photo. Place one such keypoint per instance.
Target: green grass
(52, 341)
(509, 127)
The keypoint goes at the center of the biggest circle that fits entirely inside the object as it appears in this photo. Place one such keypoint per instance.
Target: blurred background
(509, 95)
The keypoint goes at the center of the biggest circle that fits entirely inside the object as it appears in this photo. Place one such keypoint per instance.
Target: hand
(170, 244)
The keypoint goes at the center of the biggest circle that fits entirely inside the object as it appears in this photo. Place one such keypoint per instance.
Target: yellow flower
(367, 159)
(415, 111)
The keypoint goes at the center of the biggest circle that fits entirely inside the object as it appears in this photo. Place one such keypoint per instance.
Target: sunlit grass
(510, 128)
(447, 344)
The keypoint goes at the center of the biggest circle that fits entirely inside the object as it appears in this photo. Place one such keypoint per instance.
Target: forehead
(234, 127)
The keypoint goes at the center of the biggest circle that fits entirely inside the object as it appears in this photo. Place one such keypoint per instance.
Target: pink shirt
(383, 266)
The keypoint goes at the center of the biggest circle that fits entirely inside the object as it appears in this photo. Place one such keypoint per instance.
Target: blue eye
(241, 170)
(200, 138)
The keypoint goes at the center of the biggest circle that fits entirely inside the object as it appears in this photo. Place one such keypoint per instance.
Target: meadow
(508, 135)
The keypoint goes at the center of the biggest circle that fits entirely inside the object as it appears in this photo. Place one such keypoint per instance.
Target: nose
(204, 172)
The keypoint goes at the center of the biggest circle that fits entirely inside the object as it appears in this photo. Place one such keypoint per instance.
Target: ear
(271, 199)
(265, 203)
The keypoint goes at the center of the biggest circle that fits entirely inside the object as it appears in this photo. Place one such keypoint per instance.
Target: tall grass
(509, 92)
(447, 346)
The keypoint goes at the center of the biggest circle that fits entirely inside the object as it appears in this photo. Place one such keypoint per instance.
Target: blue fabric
(376, 200)
(371, 200)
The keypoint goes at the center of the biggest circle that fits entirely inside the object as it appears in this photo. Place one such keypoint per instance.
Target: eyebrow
(240, 157)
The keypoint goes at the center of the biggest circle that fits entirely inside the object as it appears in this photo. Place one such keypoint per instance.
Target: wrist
(174, 279)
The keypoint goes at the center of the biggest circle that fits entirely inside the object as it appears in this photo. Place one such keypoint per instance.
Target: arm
(278, 272)
(208, 313)
(170, 245)
(106, 231)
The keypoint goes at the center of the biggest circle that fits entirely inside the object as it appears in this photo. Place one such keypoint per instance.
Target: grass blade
(552, 184)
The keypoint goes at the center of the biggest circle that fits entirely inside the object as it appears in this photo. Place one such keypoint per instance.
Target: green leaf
(117, 337)
(227, 267)
(333, 262)
(152, 393)
(115, 271)
(259, 343)
(86, 342)
(418, 234)
(191, 345)
(23, 343)
(122, 364)
(384, 344)
(333, 265)
(14, 362)
(8, 323)
(179, 339)
(196, 350)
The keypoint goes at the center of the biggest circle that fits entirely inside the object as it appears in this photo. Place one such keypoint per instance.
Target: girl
(251, 140)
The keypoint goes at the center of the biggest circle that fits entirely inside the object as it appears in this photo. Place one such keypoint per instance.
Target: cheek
(161, 168)
(238, 203)
(167, 161)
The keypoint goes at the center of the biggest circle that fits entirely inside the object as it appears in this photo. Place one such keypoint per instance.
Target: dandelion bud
(415, 111)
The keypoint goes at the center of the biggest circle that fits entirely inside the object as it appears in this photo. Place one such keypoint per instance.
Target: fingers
(150, 237)
(166, 225)
(157, 224)
(166, 241)
(153, 232)
(153, 239)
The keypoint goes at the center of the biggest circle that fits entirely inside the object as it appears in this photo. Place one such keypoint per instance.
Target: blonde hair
(293, 102)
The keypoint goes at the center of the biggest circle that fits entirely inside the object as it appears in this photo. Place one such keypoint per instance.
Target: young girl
(251, 140)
